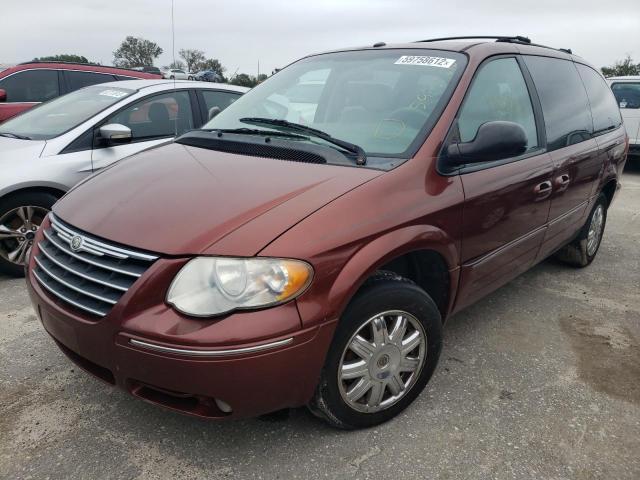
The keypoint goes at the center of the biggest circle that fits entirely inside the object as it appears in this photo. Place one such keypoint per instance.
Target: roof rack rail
(497, 38)
(78, 63)
(515, 39)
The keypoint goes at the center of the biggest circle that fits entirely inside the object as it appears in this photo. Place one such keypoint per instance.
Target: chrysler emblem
(76, 243)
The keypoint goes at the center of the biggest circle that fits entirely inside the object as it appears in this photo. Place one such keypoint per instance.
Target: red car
(27, 84)
(260, 263)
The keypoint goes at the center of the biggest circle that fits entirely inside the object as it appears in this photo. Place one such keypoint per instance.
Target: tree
(177, 65)
(136, 52)
(212, 64)
(64, 57)
(622, 68)
(244, 80)
(193, 58)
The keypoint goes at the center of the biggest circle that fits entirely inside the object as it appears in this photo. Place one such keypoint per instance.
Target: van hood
(183, 200)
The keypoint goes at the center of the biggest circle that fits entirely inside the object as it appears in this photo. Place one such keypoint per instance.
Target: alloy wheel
(382, 361)
(17, 230)
(595, 230)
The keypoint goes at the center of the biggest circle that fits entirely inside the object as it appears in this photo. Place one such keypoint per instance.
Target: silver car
(50, 148)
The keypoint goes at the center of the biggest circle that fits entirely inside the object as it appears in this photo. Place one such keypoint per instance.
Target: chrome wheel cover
(382, 361)
(17, 230)
(596, 228)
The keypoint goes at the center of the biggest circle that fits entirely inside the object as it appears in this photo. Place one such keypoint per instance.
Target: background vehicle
(208, 76)
(47, 150)
(30, 83)
(175, 73)
(627, 93)
(432, 173)
(149, 69)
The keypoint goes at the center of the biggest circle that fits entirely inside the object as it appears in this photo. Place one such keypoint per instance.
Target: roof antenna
(173, 54)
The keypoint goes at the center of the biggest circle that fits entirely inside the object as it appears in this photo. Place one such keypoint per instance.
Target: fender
(385, 248)
(34, 185)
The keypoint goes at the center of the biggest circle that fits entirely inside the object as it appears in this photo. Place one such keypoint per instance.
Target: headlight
(209, 286)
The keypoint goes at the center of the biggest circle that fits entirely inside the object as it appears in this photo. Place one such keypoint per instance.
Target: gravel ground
(539, 380)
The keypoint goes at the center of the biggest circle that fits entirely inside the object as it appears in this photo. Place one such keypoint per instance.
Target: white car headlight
(208, 286)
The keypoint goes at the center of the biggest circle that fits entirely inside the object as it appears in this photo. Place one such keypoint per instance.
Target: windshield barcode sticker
(113, 93)
(428, 61)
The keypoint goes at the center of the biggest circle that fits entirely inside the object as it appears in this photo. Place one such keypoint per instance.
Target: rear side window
(498, 92)
(31, 86)
(77, 80)
(627, 94)
(604, 109)
(217, 99)
(564, 101)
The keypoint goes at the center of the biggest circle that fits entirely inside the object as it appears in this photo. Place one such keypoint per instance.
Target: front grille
(84, 272)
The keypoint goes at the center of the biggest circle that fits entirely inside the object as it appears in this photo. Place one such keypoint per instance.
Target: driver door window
(165, 115)
(499, 92)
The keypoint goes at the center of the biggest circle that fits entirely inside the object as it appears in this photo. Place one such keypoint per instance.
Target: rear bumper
(252, 378)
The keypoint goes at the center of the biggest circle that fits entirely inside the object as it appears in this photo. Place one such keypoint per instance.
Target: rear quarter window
(604, 109)
(565, 105)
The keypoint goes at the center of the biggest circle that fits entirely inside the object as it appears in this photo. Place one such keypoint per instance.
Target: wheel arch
(54, 189)
(609, 190)
(425, 254)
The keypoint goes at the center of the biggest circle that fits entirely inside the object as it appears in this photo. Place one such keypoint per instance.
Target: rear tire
(385, 350)
(583, 250)
(20, 217)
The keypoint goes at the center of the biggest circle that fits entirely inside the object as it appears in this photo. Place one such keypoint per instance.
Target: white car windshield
(63, 113)
(383, 100)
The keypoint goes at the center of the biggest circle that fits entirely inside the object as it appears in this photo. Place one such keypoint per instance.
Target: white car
(48, 149)
(627, 93)
(175, 73)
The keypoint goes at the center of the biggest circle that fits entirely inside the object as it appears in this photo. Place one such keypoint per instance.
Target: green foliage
(622, 68)
(211, 64)
(193, 58)
(64, 57)
(244, 80)
(136, 52)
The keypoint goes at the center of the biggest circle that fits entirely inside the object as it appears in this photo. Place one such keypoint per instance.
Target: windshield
(381, 100)
(64, 113)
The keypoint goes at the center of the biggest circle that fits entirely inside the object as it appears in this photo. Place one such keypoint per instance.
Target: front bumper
(189, 365)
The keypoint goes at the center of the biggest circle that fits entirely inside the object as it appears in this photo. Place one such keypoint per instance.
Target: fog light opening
(223, 406)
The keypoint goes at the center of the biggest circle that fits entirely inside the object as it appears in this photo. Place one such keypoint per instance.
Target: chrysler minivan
(273, 259)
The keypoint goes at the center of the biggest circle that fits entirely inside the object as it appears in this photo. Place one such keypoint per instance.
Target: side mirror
(115, 134)
(3, 95)
(213, 111)
(493, 141)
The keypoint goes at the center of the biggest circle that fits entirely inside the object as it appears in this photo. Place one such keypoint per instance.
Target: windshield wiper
(361, 156)
(255, 131)
(13, 135)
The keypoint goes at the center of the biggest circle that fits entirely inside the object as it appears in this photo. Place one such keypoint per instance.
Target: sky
(273, 33)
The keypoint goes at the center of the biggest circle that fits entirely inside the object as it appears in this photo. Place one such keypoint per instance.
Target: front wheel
(20, 217)
(581, 251)
(385, 350)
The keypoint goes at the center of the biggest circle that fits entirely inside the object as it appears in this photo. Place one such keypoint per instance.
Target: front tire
(582, 251)
(20, 217)
(385, 350)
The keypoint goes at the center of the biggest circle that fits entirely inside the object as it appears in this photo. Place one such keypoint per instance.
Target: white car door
(153, 120)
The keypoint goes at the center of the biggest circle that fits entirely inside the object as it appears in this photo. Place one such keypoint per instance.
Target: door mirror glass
(494, 141)
(3, 95)
(115, 134)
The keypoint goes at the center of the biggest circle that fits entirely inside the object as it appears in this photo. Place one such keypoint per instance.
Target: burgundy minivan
(306, 246)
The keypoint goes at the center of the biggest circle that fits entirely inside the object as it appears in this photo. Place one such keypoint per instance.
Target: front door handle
(543, 190)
